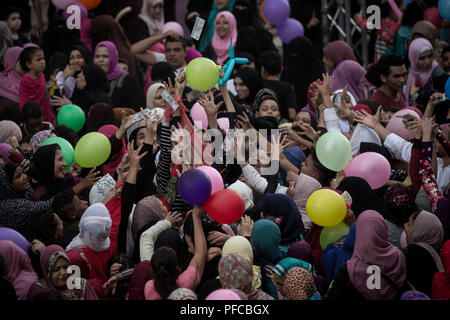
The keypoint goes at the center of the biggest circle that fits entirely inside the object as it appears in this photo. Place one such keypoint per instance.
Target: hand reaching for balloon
(92, 177)
(207, 102)
(60, 101)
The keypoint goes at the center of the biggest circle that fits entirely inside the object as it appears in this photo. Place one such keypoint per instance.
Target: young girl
(32, 85)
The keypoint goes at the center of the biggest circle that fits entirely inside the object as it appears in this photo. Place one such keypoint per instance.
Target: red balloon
(225, 206)
(90, 4)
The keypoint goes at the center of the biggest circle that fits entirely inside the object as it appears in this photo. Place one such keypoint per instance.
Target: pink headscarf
(415, 49)
(20, 271)
(111, 166)
(154, 26)
(9, 79)
(221, 45)
(338, 51)
(114, 69)
(372, 247)
(349, 73)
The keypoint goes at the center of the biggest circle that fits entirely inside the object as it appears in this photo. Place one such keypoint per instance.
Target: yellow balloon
(326, 207)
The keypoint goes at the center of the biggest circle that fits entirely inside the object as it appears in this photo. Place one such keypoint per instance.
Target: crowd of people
(125, 225)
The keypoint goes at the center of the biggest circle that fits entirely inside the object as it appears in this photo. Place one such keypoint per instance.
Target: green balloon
(202, 74)
(66, 149)
(333, 151)
(332, 234)
(71, 116)
(92, 150)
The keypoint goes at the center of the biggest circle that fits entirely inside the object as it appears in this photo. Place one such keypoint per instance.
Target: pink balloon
(396, 125)
(224, 123)
(214, 176)
(370, 166)
(61, 4)
(223, 294)
(198, 113)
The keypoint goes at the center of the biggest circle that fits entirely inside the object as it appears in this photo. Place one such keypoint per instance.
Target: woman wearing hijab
(335, 52)
(125, 90)
(154, 96)
(235, 272)
(424, 236)
(19, 270)
(242, 246)
(16, 205)
(424, 68)
(266, 238)
(100, 114)
(9, 129)
(11, 75)
(304, 187)
(372, 247)
(92, 88)
(284, 211)
(350, 73)
(66, 79)
(247, 84)
(54, 264)
(425, 29)
(302, 67)
(47, 167)
(105, 28)
(153, 14)
(208, 31)
(225, 32)
(246, 13)
(97, 239)
(441, 280)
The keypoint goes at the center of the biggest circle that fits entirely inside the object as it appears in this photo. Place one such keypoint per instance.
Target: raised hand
(245, 228)
(173, 217)
(92, 177)
(244, 122)
(367, 119)
(207, 102)
(134, 156)
(126, 123)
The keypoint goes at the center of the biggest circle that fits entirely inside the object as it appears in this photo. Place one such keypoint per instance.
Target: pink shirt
(189, 279)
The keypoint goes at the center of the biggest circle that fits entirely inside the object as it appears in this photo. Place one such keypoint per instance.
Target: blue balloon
(447, 88)
(444, 8)
(194, 187)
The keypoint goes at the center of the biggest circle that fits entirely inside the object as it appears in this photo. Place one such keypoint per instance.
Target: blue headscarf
(266, 239)
(208, 32)
(338, 252)
(296, 156)
(283, 207)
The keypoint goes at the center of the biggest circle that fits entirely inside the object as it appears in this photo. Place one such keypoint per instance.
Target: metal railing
(337, 16)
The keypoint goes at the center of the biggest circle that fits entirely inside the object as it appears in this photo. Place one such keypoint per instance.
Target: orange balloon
(261, 11)
(90, 4)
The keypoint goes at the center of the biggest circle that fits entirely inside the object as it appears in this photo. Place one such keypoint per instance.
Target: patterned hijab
(235, 272)
(48, 259)
(427, 232)
(38, 138)
(182, 294)
(298, 284)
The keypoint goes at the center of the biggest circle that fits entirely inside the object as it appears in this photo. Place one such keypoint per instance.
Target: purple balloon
(277, 11)
(290, 30)
(16, 237)
(194, 187)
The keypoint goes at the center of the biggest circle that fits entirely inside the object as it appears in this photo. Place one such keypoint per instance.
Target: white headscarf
(154, 26)
(94, 226)
(151, 91)
(245, 192)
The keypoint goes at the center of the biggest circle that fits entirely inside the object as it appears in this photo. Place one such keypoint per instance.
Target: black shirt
(285, 95)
